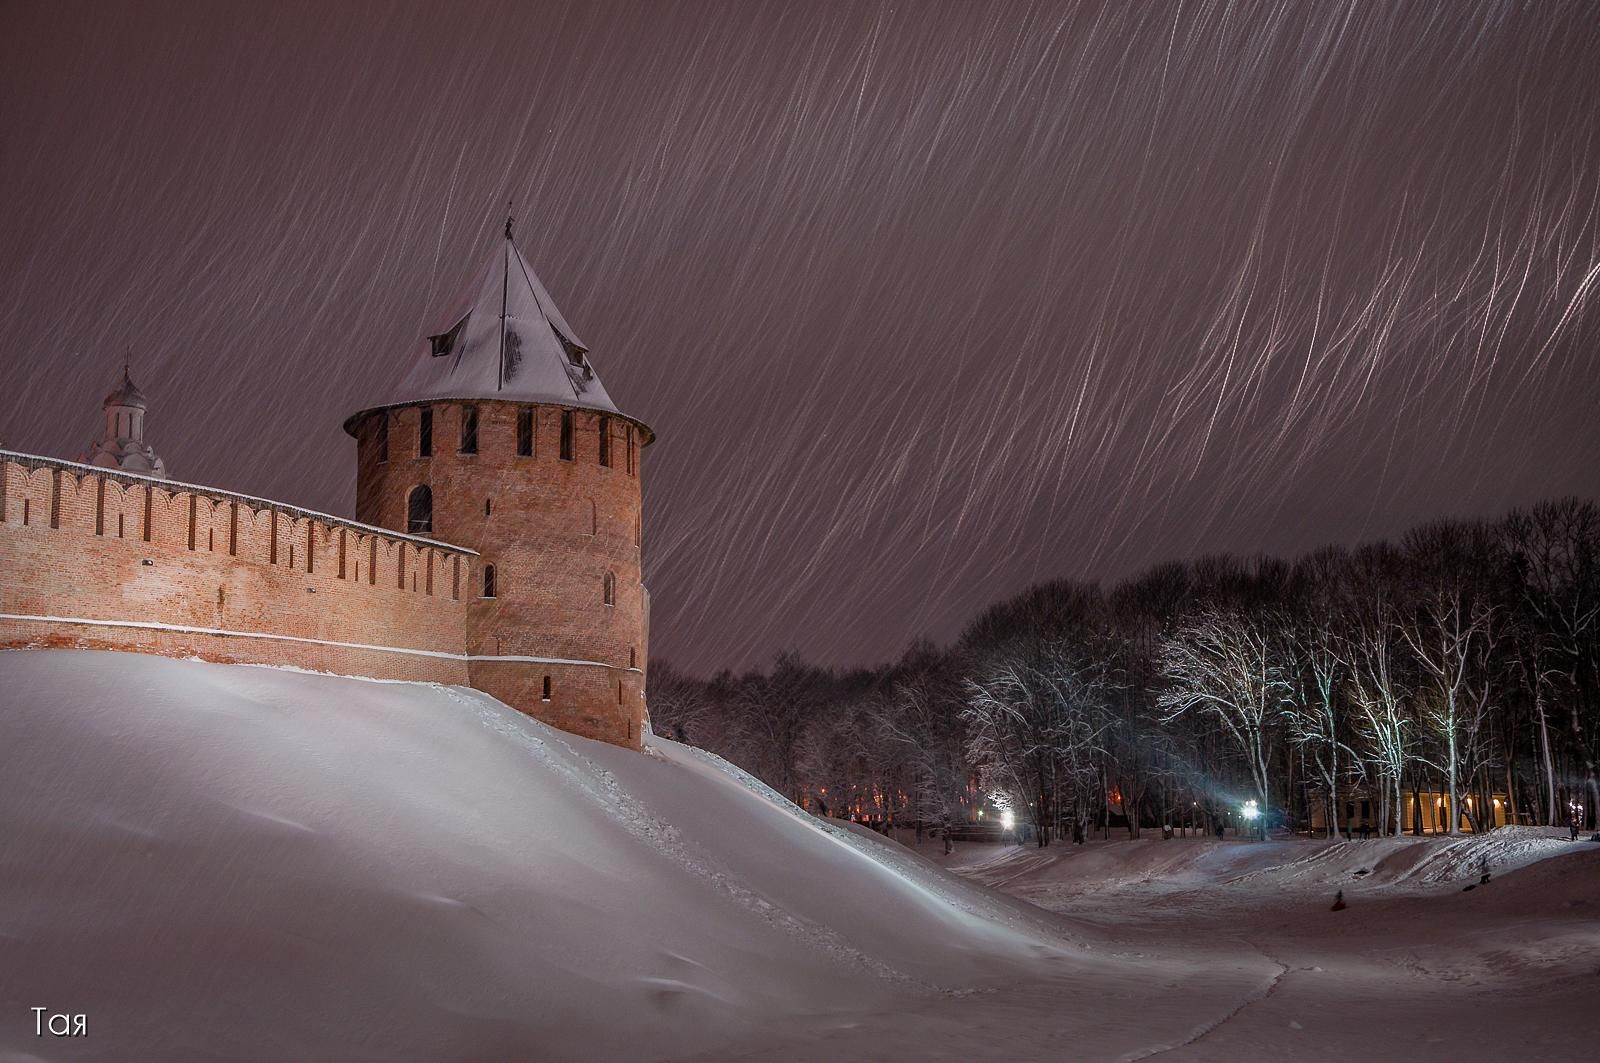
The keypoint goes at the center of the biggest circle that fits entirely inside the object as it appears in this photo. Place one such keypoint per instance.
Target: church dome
(127, 394)
(122, 446)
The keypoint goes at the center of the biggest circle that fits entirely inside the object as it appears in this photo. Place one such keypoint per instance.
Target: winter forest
(1462, 660)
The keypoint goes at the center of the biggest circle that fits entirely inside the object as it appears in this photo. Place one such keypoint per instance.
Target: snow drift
(212, 860)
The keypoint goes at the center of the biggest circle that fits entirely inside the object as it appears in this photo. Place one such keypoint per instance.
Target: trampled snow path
(1416, 967)
(214, 861)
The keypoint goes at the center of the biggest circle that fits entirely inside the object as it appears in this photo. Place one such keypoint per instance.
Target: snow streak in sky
(926, 301)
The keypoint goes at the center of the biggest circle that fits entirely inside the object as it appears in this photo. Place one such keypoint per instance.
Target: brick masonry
(96, 558)
(173, 569)
(556, 530)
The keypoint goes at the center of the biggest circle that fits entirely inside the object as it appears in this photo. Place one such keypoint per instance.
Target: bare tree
(925, 728)
(1451, 632)
(1555, 554)
(1312, 709)
(1225, 664)
(1033, 730)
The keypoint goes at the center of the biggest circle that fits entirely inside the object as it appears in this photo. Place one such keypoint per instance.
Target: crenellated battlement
(102, 557)
(502, 436)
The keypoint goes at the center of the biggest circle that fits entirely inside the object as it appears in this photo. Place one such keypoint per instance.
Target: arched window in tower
(605, 441)
(611, 588)
(425, 433)
(469, 429)
(566, 435)
(419, 510)
(488, 582)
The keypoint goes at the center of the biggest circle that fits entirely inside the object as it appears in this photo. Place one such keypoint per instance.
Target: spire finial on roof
(509, 219)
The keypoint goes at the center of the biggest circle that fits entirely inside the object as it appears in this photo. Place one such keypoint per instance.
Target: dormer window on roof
(573, 351)
(445, 342)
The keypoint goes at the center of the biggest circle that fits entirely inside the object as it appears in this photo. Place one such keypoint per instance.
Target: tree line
(1461, 660)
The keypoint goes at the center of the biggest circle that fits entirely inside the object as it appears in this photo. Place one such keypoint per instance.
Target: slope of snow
(211, 859)
(228, 862)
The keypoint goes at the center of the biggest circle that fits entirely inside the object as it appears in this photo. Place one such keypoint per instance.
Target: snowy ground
(216, 861)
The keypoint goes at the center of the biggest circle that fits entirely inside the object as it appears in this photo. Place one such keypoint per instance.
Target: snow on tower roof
(504, 339)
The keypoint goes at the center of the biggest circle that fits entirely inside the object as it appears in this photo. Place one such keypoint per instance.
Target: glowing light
(1250, 811)
(1007, 821)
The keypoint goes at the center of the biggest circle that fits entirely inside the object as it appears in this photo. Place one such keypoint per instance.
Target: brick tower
(502, 439)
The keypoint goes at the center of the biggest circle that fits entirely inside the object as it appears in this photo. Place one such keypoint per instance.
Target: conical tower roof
(503, 338)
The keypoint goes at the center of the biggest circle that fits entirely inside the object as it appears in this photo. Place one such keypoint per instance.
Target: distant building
(122, 446)
(497, 542)
(1423, 811)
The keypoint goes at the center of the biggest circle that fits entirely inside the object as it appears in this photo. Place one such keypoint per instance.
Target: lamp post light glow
(1250, 811)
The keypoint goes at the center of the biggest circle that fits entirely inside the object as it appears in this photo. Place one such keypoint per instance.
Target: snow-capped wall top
(504, 339)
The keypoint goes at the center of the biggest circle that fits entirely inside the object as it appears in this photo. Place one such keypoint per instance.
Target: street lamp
(1250, 811)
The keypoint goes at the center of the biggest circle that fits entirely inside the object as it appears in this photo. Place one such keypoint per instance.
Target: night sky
(925, 301)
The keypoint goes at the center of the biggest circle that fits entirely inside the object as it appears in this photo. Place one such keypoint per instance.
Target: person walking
(1366, 830)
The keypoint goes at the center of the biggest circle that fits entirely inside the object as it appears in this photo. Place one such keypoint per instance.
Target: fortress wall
(81, 544)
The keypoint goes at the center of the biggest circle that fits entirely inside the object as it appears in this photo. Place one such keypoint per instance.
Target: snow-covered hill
(229, 862)
(212, 860)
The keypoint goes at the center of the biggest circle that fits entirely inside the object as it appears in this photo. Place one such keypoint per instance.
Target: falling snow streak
(925, 300)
